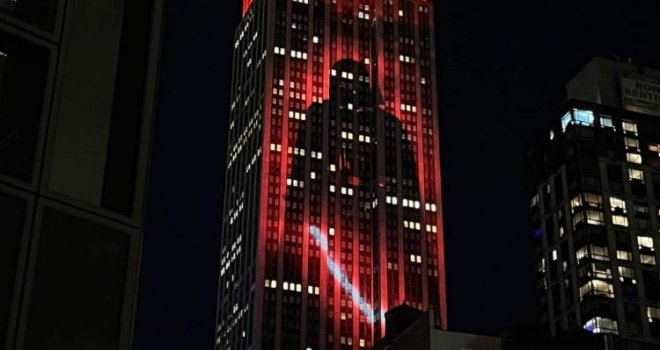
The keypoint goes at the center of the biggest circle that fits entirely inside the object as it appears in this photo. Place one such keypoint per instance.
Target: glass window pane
(79, 284)
(23, 70)
(12, 218)
(38, 12)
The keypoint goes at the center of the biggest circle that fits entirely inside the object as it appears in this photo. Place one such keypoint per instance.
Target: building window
(626, 273)
(645, 242)
(629, 126)
(620, 220)
(594, 252)
(23, 71)
(617, 205)
(647, 259)
(597, 287)
(631, 142)
(653, 313)
(624, 255)
(601, 325)
(606, 122)
(635, 174)
(583, 117)
(634, 158)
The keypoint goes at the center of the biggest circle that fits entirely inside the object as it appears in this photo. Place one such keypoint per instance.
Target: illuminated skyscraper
(332, 201)
(595, 185)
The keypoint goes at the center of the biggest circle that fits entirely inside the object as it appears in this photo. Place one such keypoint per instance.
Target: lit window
(645, 242)
(584, 117)
(629, 126)
(601, 325)
(624, 255)
(617, 204)
(626, 273)
(634, 158)
(595, 217)
(631, 142)
(620, 220)
(554, 255)
(331, 231)
(606, 122)
(635, 174)
(565, 120)
(400, 13)
(653, 313)
(600, 271)
(647, 259)
(597, 287)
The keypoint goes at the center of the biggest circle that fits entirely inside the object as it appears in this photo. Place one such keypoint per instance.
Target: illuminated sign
(640, 93)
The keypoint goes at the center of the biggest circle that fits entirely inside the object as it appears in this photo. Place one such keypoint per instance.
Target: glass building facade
(332, 199)
(77, 88)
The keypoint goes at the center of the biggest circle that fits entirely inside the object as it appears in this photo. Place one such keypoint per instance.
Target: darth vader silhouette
(348, 153)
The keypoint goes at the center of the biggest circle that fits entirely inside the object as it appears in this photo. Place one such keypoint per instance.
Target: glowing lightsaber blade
(336, 272)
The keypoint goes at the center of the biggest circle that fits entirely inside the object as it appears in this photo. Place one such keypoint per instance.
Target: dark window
(632, 317)
(652, 285)
(638, 188)
(127, 110)
(656, 186)
(12, 217)
(615, 177)
(23, 68)
(39, 12)
(559, 188)
(79, 283)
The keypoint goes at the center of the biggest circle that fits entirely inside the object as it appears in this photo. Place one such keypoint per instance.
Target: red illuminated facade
(332, 205)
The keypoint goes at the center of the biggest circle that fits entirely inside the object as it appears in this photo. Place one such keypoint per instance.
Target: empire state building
(333, 195)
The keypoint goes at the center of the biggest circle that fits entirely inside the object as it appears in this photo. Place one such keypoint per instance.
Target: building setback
(409, 328)
(332, 201)
(595, 207)
(77, 88)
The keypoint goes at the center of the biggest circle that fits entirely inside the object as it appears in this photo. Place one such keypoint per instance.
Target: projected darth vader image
(341, 193)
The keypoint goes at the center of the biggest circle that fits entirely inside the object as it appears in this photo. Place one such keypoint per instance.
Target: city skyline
(503, 69)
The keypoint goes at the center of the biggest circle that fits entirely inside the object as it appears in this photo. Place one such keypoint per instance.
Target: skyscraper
(332, 201)
(77, 89)
(595, 184)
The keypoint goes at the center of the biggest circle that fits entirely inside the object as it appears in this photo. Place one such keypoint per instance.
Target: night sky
(502, 68)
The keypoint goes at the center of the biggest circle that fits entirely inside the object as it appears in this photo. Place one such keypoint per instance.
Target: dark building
(409, 328)
(332, 209)
(595, 206)
(77, 87)
(537, 337)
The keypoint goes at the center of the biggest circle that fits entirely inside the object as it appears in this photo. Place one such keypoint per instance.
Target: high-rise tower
(595, 185)
(332, 201)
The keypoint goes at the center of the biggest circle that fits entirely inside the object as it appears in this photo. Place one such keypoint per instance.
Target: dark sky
(502, 67)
